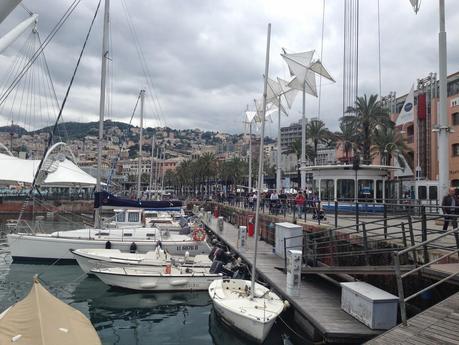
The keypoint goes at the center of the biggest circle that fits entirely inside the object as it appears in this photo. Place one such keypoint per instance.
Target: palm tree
(319, 134)
(207, 167)
(386, 142)
(347, 138)
(369, 116)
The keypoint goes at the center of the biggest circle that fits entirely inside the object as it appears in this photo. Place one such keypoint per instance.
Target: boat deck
(436, 325)
(318, 306)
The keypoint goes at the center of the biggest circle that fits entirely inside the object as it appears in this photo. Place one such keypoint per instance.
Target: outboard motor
(217, 268)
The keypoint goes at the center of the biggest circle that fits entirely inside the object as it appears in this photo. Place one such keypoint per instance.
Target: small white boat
(42, 319)
(89, 259)
(170, 279)
(253, 317)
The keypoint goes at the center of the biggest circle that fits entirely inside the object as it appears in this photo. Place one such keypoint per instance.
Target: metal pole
(278, 167)
(250, 157)
(151, 165)
(401, 295)
(139, 170)
(260, 164)
(303, 142)
(443, 162)
(97, 222)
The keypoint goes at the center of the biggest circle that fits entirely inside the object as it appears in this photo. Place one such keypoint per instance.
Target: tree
(386, 142)
(347, 138)
(369, 116)
(319, 134)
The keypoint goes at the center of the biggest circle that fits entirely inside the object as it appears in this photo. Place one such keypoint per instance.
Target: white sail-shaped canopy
(304, 71)
(288, 93)
(42, 319)
(273, 92)
(317, 67)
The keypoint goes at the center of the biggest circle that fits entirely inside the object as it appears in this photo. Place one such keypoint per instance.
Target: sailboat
(245, 305)
(57, 245)
(42, 319)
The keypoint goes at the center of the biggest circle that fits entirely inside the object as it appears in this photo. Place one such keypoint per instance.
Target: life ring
(199, 234)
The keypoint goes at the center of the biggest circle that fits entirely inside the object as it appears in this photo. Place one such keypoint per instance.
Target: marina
(142, 203)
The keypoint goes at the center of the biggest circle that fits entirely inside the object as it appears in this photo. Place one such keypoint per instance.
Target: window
(128, 234)
(455, 149)
(120, 217)
(345, 189)
(133, 217)
(422, 192)
(433, 193)
(455, 117)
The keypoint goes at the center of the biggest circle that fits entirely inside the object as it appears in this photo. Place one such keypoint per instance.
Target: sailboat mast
(139, 177)
(260, 163)
(151, 166)
(102, 106)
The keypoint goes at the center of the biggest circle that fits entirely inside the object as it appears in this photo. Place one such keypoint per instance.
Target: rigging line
(30, 194)
(26, 9)
(24, 54)
(379, 51)
(49, 74)
(144, 66)
(51, 35)
(321, 57)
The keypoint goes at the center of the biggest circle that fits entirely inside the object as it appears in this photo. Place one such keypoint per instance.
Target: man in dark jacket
(450, 207)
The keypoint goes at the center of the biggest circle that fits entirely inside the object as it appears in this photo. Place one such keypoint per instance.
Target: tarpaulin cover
(104, 198)
(42, 319)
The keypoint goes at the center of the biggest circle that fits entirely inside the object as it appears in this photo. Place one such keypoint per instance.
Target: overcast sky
(206, 57)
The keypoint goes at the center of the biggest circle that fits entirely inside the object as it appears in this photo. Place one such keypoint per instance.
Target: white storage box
(285, 230)
(370, 305)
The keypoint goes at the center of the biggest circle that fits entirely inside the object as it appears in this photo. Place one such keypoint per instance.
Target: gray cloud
(206, 58)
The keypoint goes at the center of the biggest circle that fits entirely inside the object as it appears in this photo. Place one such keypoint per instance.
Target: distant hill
(14, 128)
(78, 130)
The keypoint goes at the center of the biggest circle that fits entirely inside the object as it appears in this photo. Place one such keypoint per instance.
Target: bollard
(294, 272)
(242, 238)
(220, 223)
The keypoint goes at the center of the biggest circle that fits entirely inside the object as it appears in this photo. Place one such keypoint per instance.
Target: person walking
(299, 202)
(450, 207)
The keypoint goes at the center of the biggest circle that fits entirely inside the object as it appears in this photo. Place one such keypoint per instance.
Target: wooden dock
(317, 309)
(437, 325)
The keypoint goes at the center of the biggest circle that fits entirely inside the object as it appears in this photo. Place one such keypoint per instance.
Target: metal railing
(400, 276)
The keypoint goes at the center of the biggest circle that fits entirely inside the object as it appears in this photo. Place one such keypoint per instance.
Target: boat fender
(148, 285)
(168, 269)
(286, 304)
(179, 282)
(199, 234)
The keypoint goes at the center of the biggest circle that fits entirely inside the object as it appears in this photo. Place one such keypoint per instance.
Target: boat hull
(256, 331)
(49, 248)
(251, 317)
(158, 282)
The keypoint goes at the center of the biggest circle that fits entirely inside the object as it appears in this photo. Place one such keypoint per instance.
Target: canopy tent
(63, 173)
(42, 319)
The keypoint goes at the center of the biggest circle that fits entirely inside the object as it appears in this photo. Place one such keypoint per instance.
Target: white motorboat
(170, 279)
(42, 319)
(89, 259)
(253, 316)
(57, 245)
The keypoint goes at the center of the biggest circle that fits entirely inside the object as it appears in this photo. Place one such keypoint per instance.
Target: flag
(407, 113)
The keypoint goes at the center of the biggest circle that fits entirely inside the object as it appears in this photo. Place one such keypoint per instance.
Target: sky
(206, 58)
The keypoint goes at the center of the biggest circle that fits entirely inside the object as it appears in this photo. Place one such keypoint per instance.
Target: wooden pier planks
(437, 325)
(319, 301)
